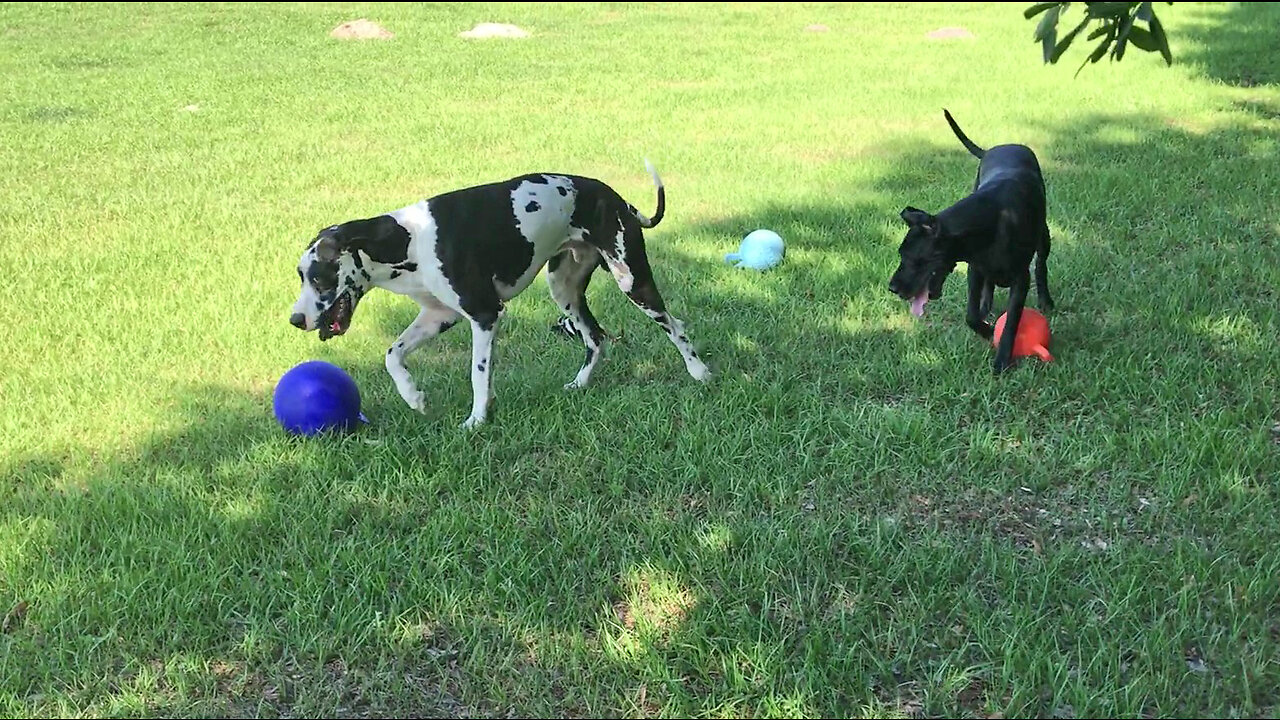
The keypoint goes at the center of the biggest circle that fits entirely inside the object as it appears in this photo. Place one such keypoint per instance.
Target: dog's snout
(893, 286)
(298, 320)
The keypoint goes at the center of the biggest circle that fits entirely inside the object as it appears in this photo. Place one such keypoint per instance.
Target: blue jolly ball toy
(316, 396)
(760, 250)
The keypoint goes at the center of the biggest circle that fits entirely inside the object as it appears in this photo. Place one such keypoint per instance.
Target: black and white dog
(463, 254)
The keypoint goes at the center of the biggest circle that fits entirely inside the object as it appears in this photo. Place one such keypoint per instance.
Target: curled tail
(974, 149)
(662, 200)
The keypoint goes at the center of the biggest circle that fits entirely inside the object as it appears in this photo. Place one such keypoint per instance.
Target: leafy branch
(1116, 23)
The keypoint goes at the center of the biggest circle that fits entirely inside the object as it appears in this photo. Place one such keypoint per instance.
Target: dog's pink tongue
(917, 303)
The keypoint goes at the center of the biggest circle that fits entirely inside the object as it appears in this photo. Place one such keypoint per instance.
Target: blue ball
(316, 396)
(760, 250)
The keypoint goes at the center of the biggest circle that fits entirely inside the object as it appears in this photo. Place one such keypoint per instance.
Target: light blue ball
(760, 250)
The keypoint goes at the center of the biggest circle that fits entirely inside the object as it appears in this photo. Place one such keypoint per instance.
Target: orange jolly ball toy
(1032, 338)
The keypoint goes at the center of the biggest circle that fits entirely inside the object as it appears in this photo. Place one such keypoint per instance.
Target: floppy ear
(328, 249)
(919, 218)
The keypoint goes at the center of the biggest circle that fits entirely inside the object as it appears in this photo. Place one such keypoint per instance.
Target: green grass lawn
(853, 519)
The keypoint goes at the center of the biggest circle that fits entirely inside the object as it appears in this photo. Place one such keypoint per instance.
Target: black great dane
(996, 229)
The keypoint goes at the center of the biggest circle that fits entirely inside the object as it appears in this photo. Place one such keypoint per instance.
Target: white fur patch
(431, 283)
(618, 263)
(542, 215)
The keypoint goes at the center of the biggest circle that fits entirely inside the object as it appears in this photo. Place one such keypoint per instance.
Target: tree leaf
(1108, 9)
(1122, 39)
(1066, 41)
(1102, 46)
(1098, 32)
(1038, 8)
(1048, 24)
(1144, 12)
(1142, 39)
(1098, 52)
(1162, 42)
(1047, 44)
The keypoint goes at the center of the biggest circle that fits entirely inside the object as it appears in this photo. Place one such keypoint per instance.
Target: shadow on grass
(1166, 271)
(853, 515)
(1238, 47)
(223, 569)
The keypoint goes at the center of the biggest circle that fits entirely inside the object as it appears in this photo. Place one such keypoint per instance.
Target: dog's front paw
(698, 370)
(416, 401)
(1001, 366)
(472, 422)
(574, 385)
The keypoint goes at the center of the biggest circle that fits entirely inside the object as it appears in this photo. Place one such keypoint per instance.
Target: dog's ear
(915, 217)
(329, 247)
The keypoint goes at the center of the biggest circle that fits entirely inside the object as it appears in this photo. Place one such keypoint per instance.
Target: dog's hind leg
(1042, 273)
(432, 320)
(567, 279)
(630, 267)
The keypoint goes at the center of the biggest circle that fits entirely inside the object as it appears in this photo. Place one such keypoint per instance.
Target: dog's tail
(977, 151)
(662, 199)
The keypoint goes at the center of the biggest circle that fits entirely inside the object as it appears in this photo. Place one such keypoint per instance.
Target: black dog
(996, 230)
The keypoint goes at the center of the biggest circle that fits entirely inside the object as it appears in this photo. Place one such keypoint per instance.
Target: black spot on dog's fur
(395, 274)
(406, 266)
(365, 273)
(532, 207)
(539, 179)
(562, 191)
(323, 275)
(381, 238)
(485, 319)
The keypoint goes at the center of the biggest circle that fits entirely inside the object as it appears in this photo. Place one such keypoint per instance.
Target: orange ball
(1032, 338)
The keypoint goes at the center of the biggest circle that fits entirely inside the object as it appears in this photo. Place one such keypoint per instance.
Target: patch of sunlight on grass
(715, 536)
(654, 604)
(244, 507)
(896, 320)
(19, 536)
(1237, 332)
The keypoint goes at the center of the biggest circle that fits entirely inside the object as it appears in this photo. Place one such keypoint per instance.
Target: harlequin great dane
(462, 254)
